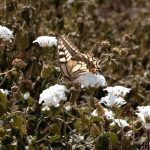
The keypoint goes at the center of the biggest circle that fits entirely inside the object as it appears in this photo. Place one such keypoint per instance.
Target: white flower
(27, 147)
(120, 122)
(30, 138)
(26, 95)
(108, 114)
(76, 138)
(70, 1)
(129, 133)
(6, 92)
(143, 112)
(118, 91)
(112, 101)
(53, 95)
(91, 80)
(45, 108)
(101, 80)
(46, 41)
(94, 113)
(57, 69)
(6, 34)
(14, 143)
(67, 108)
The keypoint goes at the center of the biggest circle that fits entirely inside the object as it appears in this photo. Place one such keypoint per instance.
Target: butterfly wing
(90, 61)
(70, 68)
(70, 46)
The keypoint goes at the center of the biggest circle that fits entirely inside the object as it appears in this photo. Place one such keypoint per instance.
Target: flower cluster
(91, 80)
(111, 101)
(115, 96)
(46, 41)
(53, 95)
(118, 91)
(5, 92)
(120, 122)
(143, 112)
(108, 114)
(6, 34)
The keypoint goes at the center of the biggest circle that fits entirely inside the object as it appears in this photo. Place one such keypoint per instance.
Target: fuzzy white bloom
(143, 112)
(14, 143)
(108, 114)
(53, 95)
(91, 80)
(70, 1)
(57, 69)
(76, 138)
(30, 138)
(6, 34)
(26, 95)
(94, 113)
(130, 133)
(46, 41)
(118, 91)
(45, 108)
(68, 108)
(120, 122)
(112, 101)
(6, 92)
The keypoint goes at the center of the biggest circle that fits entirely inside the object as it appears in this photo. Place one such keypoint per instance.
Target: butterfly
(73, 63)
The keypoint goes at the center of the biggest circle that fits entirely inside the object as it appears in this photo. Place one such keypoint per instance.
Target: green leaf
(113, 138)
(46, 71)
(97, 119)
(3, 103)
(54, 138)
(102, 143)
(7, 140)
(2, 132)
(19, 122)
(78, 124)
(55, 128)
(21, 40)
(31, 101)
(2, 147)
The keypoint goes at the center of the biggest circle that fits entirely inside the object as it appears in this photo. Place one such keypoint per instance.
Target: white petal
(6, 34)
(118, 91)
(53, 95)
(91, 80)
(111, 101)
(46, 41)
(120, 122)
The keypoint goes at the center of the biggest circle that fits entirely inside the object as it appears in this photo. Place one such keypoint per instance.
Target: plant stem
(7, 71)
(148, 140)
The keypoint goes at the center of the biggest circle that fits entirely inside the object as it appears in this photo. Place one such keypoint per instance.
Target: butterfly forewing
(71, 69)
(70, 46)
(64, 54)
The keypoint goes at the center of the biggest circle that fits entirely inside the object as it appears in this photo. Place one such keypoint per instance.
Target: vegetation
(118, 28)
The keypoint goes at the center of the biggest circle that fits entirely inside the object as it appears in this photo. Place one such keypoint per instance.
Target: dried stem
(3, 73)
(148, 140)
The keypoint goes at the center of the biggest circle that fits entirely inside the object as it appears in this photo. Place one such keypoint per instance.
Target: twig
(3, 80)
(40, 140)
(148, 140)
(65, 124)
(7, 71)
